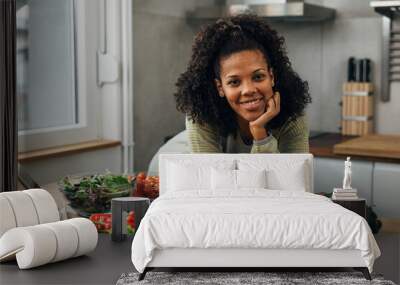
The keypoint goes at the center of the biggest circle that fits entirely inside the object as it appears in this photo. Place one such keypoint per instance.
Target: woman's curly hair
(197, 95)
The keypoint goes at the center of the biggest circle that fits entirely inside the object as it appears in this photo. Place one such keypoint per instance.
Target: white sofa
(31, 231)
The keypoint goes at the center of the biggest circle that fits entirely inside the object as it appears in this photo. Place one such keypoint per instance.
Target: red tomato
(141, 176)
(94, 218)
(101, 221)
(130, 220)
(151, 188)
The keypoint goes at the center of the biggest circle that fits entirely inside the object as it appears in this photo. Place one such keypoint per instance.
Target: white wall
(162, 46)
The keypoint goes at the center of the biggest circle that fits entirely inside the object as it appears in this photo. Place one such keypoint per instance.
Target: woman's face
(246, 81)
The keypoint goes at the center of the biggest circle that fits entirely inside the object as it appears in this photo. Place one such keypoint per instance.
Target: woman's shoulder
(292, 126)
(203, 137)
(191, 125)
(204, 130)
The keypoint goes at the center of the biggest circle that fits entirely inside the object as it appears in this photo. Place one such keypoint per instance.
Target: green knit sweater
(291, 137)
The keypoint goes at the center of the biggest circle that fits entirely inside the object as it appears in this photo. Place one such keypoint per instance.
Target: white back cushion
(226, 179)
(288, 177)
(223, 179)
(283, 174)
(23, 208)
(45, 205)
(26, 208)
(229, 161)
(227, 182)
(192, 175)
(251, 178)
(7, 217)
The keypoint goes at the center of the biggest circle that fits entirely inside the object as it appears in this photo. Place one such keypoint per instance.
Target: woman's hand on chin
(257, 126)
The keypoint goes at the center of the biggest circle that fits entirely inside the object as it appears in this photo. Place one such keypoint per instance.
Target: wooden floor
(389, 262)
(102, 266)
(110, 260)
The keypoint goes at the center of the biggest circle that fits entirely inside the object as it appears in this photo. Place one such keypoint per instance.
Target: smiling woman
(246, 81)
(240, 93)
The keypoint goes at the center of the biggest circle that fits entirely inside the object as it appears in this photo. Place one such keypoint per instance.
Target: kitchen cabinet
(329, 172)
(377, 182)
(386, 189)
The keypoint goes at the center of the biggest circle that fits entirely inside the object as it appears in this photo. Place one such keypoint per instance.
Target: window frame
(86, 33)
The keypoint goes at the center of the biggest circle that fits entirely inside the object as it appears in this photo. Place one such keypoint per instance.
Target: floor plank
(102, 266)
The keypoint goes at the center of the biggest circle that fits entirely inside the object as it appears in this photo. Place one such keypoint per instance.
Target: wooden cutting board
(373, 145)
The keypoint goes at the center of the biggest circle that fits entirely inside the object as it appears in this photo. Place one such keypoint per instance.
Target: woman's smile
(253, 104)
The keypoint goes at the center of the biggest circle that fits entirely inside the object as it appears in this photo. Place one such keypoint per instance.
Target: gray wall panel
(328, 174)
(386, 189)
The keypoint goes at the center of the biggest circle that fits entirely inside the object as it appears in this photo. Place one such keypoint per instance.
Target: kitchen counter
(322, 146)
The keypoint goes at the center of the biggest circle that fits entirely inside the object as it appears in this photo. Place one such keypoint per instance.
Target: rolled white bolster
(66, 238)
(7, 217)
(46, 207)
(87, 235)
(40, 244)
(23, 208)
(33, 246)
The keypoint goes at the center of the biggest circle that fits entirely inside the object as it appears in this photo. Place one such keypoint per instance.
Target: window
(56, 73)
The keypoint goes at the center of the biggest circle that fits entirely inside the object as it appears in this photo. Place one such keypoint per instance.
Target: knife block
(357, 108)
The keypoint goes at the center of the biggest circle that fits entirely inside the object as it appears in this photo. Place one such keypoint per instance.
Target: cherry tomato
(141, 176)
(130, 220)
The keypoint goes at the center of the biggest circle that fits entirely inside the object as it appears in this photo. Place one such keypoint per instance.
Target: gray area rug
(229, 278)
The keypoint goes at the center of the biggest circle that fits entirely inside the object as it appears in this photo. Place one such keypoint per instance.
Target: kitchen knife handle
(351, 69)
(360, 70)
(367, 70)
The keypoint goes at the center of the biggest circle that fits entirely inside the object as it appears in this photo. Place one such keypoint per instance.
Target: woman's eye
(234, 82)
(259, 77)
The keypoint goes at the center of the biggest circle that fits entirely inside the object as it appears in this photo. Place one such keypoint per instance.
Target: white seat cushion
(32, 246)
(40, 244)
(87, 235)
(67, 240)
